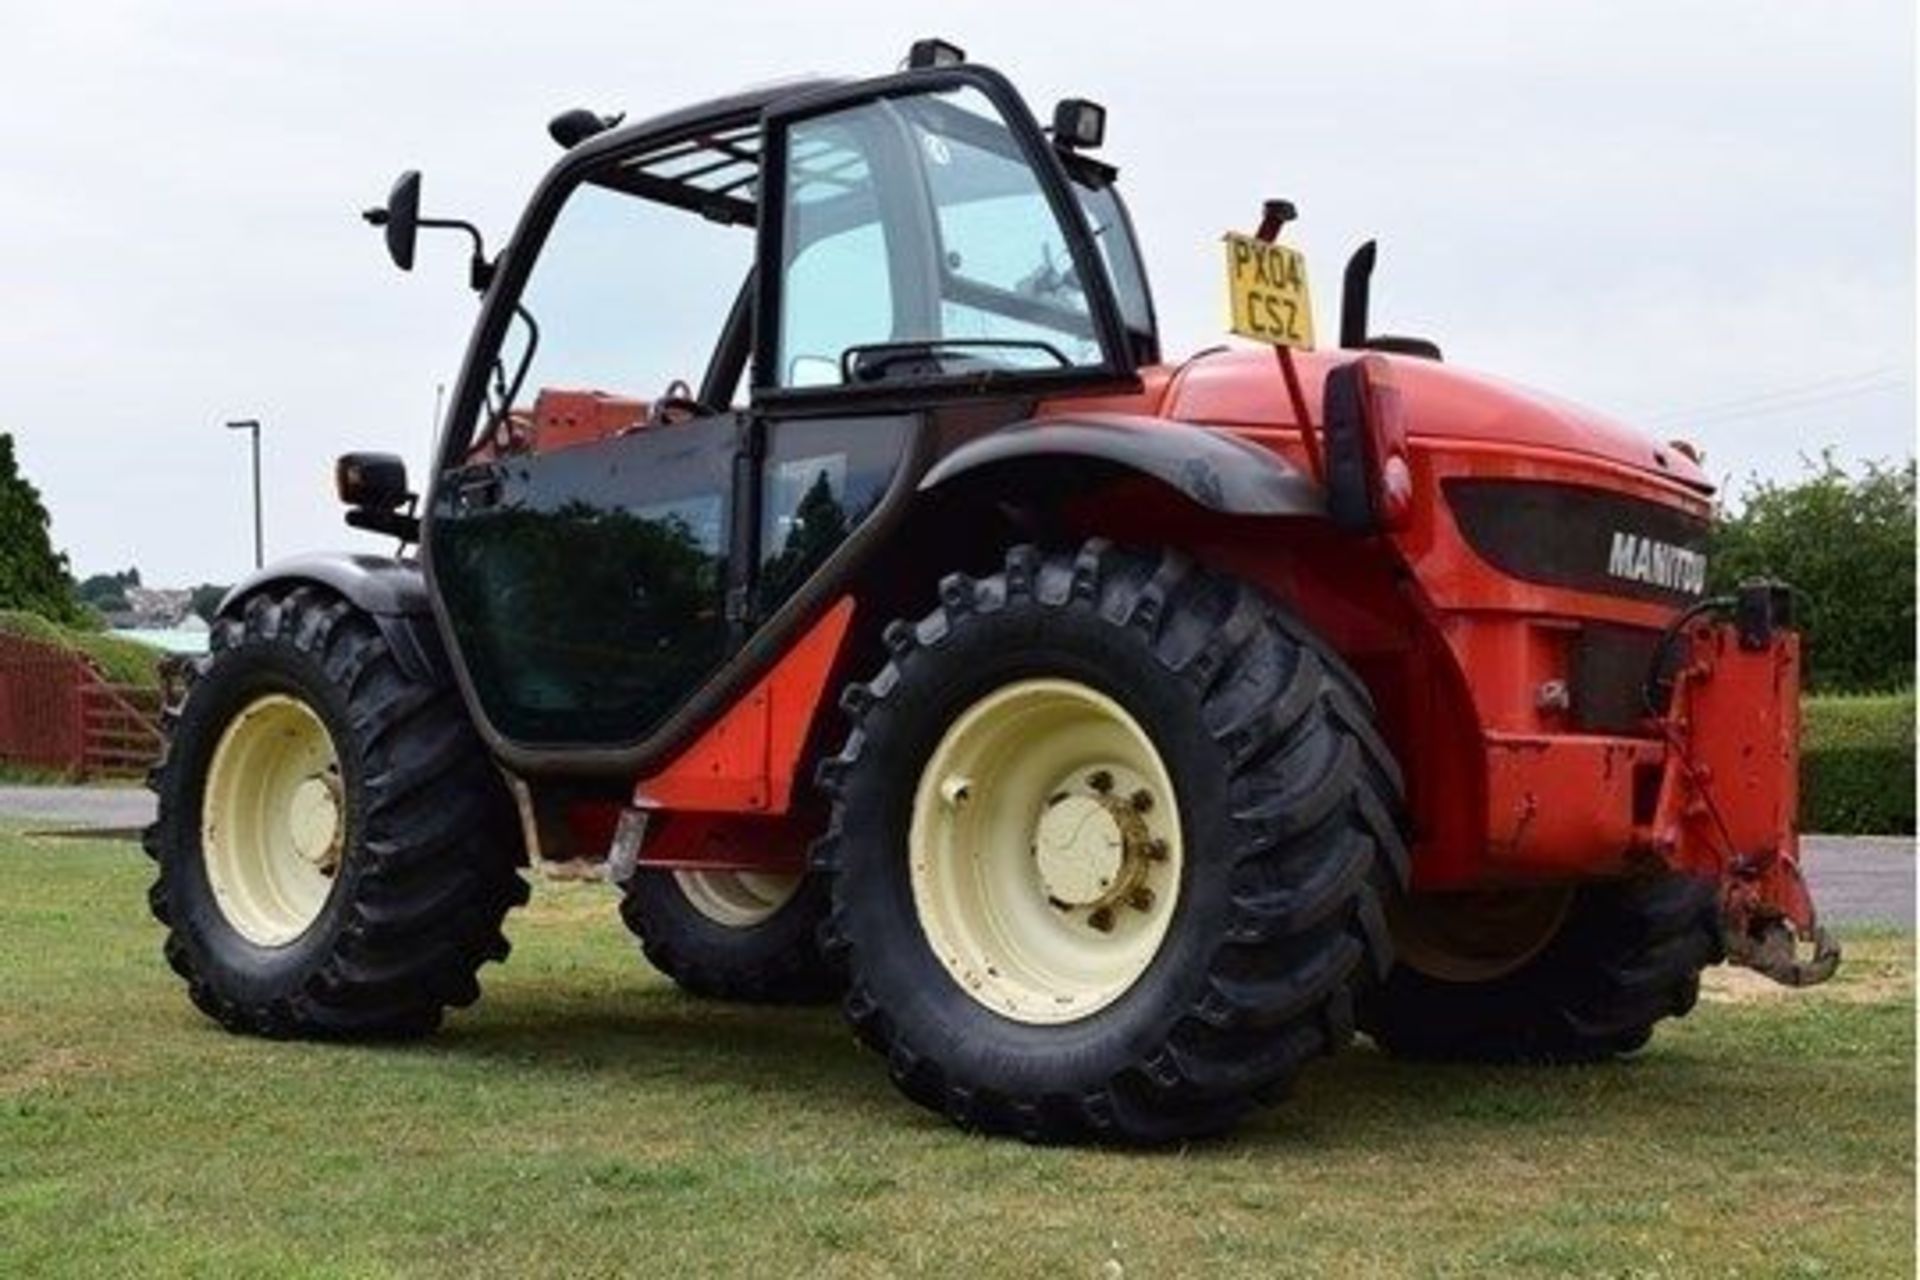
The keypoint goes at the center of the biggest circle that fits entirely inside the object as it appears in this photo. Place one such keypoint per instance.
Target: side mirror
(400, 218)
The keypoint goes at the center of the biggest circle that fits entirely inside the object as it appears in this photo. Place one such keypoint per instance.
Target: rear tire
(1627, 954)
(376, 924)
(733, 936)
(1287, 830)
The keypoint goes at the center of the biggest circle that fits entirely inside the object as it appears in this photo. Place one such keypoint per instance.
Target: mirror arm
(479, 270)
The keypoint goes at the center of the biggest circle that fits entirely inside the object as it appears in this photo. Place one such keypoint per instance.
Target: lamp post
(259, 543)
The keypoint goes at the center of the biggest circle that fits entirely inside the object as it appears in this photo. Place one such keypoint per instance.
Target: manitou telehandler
(819, 537)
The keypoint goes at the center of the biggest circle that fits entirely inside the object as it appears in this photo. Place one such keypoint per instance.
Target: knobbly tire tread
(778, 961)
(1629, 954)
(432, 865)
(1310, 844)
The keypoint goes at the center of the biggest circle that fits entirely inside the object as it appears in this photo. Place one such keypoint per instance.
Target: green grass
(123, 661)
(1857, 764)
(585, 1118)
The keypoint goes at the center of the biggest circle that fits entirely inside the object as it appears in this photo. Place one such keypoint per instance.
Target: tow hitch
(1772, 947)
(1730, 794)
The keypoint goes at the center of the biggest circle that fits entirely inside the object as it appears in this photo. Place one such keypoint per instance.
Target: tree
(206, 599)
(1846, 543)
(107, 592)
(33, 576)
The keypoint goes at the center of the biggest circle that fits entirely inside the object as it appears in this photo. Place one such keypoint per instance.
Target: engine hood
(1244, 387)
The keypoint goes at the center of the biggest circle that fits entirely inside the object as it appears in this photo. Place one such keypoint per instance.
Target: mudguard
(390, 591)
(1212, 468)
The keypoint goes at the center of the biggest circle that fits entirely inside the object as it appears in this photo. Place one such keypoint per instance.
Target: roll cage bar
(709, 160)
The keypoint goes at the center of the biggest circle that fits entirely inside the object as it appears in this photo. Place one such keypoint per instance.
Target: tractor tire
(733, 936)
(1110, 842)
(1625, 955)
(336, 850)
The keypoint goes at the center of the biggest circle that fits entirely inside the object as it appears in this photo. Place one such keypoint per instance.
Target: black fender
(1210, 466)
(392, 592)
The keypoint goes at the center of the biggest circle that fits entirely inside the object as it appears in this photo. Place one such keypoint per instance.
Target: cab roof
(704, 157)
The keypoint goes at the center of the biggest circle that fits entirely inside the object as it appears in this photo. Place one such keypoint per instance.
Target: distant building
(154, 607)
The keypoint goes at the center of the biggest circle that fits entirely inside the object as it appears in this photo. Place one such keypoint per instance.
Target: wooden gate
(59, 714)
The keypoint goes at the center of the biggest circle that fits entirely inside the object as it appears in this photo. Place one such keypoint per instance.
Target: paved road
(1861, 879)
(1856, 879)
(77, 806)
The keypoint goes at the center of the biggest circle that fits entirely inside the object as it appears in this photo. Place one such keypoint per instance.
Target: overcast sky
(1696, 216)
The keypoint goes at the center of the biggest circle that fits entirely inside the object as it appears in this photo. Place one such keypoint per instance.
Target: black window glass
(586, 588)
(821, 479)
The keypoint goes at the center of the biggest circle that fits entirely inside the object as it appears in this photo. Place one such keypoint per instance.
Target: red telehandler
(1112, 733)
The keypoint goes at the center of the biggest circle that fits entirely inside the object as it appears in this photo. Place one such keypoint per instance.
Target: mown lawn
(586, 1119)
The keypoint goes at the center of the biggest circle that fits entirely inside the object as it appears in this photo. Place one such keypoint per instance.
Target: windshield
(920, 241)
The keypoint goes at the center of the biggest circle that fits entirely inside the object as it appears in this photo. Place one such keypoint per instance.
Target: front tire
(1221, 799)
(336, 851)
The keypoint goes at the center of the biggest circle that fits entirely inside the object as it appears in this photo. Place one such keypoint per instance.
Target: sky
(1698, 217)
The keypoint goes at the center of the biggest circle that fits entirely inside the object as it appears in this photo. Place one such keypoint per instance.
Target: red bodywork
(1504, 788)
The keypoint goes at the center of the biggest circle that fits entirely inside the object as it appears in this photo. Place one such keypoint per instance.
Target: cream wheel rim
(737, 899)
(1045, 851)
(273, 822)
(1472, 937)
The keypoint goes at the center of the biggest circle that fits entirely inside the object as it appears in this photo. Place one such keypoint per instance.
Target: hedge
(1856, 765)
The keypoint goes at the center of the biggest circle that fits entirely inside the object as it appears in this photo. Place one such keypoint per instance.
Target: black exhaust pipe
(1355, 288)
(1356, 291)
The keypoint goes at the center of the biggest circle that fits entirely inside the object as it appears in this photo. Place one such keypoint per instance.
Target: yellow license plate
(1267, 292)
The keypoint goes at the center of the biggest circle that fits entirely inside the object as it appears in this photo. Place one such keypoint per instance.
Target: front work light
(934, 53)
(1079, 124)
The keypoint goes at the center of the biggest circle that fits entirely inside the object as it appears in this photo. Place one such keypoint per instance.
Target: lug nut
(1156, 850)
(1141, 899)
(1101, 919)
(1100, 780)
(1141, 800)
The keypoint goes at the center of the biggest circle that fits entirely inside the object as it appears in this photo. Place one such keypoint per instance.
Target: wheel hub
(313, 819)
(1080, 850)
(1093, 851)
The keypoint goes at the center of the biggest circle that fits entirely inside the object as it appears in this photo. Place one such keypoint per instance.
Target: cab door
(585, 547)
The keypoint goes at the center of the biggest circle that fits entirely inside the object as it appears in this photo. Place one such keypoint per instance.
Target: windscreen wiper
(873, 362)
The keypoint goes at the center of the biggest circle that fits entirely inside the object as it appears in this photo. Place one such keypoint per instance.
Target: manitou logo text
(1658, 564)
